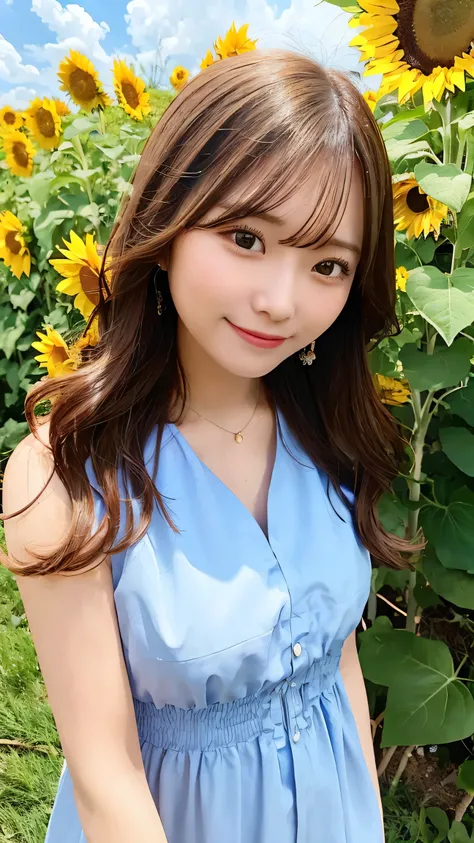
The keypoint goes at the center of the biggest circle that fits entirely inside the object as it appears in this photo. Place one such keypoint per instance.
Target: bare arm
(75, 631)
(355, 687)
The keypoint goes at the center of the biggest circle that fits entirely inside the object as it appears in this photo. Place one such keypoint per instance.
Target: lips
(258, 339)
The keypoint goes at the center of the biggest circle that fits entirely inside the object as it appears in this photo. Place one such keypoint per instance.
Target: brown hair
(266, 106)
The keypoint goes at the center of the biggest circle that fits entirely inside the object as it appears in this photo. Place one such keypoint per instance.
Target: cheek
(323, 305)
(199, 277)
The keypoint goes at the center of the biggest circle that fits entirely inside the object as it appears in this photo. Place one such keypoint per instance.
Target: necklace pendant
(238, 438)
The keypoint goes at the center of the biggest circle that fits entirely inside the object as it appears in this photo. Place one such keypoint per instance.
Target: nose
(276, 297)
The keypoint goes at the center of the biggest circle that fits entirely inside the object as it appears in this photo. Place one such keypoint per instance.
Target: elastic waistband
(226, 724)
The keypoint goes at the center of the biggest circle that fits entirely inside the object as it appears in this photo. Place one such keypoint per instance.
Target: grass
(30, 750)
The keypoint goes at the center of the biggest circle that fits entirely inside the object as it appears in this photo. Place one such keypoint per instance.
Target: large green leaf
(426, 703)
(445, 301)
(461, 402)
(444, 182)
(451, 530)
(465, 779)
(445, 367)
(465, 236)
(455, 586)
(404, 130)
(458, 444)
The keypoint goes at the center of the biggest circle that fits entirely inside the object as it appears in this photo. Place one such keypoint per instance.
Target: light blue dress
(232, 644)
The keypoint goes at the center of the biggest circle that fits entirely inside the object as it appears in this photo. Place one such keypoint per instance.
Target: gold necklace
(239, 435)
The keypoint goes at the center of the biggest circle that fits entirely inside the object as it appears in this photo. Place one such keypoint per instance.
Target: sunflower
(13, 249)
(417, 45)
(207, 60)
(371, 98)
(179, 77)
(80, 79)
(235, 42)
(56, 356)
(401, 276)
(90, 337)
(19, 152)
(130, 91)
(10, 119)
(391, 390)
(80, 271)
(416, 212)
(44, 123)
(61, 107)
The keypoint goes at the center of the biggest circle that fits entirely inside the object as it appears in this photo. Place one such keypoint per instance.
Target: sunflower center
(9, 118)
(90, 283)
(130, 94)
(45, 122)
(12, 243)
(416, 201)
(20, 154)
(433, 32)
(82, 85)
(58, 354)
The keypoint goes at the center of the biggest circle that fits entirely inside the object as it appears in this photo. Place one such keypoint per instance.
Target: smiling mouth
(270, 337)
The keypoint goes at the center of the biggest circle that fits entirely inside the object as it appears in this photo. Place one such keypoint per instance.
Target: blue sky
(36, 34)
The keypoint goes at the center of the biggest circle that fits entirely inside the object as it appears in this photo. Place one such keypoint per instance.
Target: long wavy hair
(273, 107)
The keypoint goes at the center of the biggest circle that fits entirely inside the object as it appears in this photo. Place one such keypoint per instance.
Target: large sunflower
(179, 77)
(416, 44)
(56, 356)
(9, 119)
(235, 42)
(19, 152)
(44, 123)
(13, 249)
(80, 79)
(80, 271)
(130, 91)
(414, 211)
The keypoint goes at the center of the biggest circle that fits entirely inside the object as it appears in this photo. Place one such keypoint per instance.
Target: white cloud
(12, 68)
(18, 98)
(174, 30)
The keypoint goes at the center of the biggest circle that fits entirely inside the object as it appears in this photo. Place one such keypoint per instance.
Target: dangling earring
(308, 356)
(159, 294)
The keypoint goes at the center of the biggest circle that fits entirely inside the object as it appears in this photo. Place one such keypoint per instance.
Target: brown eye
(328, 266)
(245, 239)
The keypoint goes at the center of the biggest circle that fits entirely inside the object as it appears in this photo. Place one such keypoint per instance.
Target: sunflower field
(63, 169)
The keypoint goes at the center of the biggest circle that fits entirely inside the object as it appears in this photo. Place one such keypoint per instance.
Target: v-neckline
(267, 538)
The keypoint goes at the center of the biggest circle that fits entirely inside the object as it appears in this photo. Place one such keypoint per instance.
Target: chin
(249, 369)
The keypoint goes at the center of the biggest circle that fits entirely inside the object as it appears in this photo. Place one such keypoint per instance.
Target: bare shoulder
(33, 489)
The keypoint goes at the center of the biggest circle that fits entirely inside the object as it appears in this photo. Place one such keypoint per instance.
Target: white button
(293, 684)
(297, 649)
(296, 737)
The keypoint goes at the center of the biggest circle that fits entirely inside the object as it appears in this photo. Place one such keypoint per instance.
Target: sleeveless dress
(232, 643)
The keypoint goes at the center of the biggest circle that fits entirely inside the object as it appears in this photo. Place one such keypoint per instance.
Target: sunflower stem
(76, 141)
(101, 121)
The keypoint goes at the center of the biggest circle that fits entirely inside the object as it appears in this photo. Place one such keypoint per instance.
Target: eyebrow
(273, 218)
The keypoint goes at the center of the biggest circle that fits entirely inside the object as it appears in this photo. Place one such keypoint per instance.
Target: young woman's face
(235, 282)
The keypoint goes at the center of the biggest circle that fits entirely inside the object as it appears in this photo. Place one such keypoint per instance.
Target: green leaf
(445, 367)
(458, 833)
(404, 130)
(426, 703)
(445, 301)
(461, 402)
(47, 221)
(444, 182)
(465, 236)
(113, 152)
(22, 300)
(451, 530)
(38, 186)
(393, 514)
(12, 433)
(440, 820)
(465, 780)
(458, 445)
(79, 125)
(455, 586)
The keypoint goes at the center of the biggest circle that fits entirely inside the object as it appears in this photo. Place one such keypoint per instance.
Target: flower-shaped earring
(307, 357)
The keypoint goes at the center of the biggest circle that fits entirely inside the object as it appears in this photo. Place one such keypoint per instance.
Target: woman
(214, 472)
